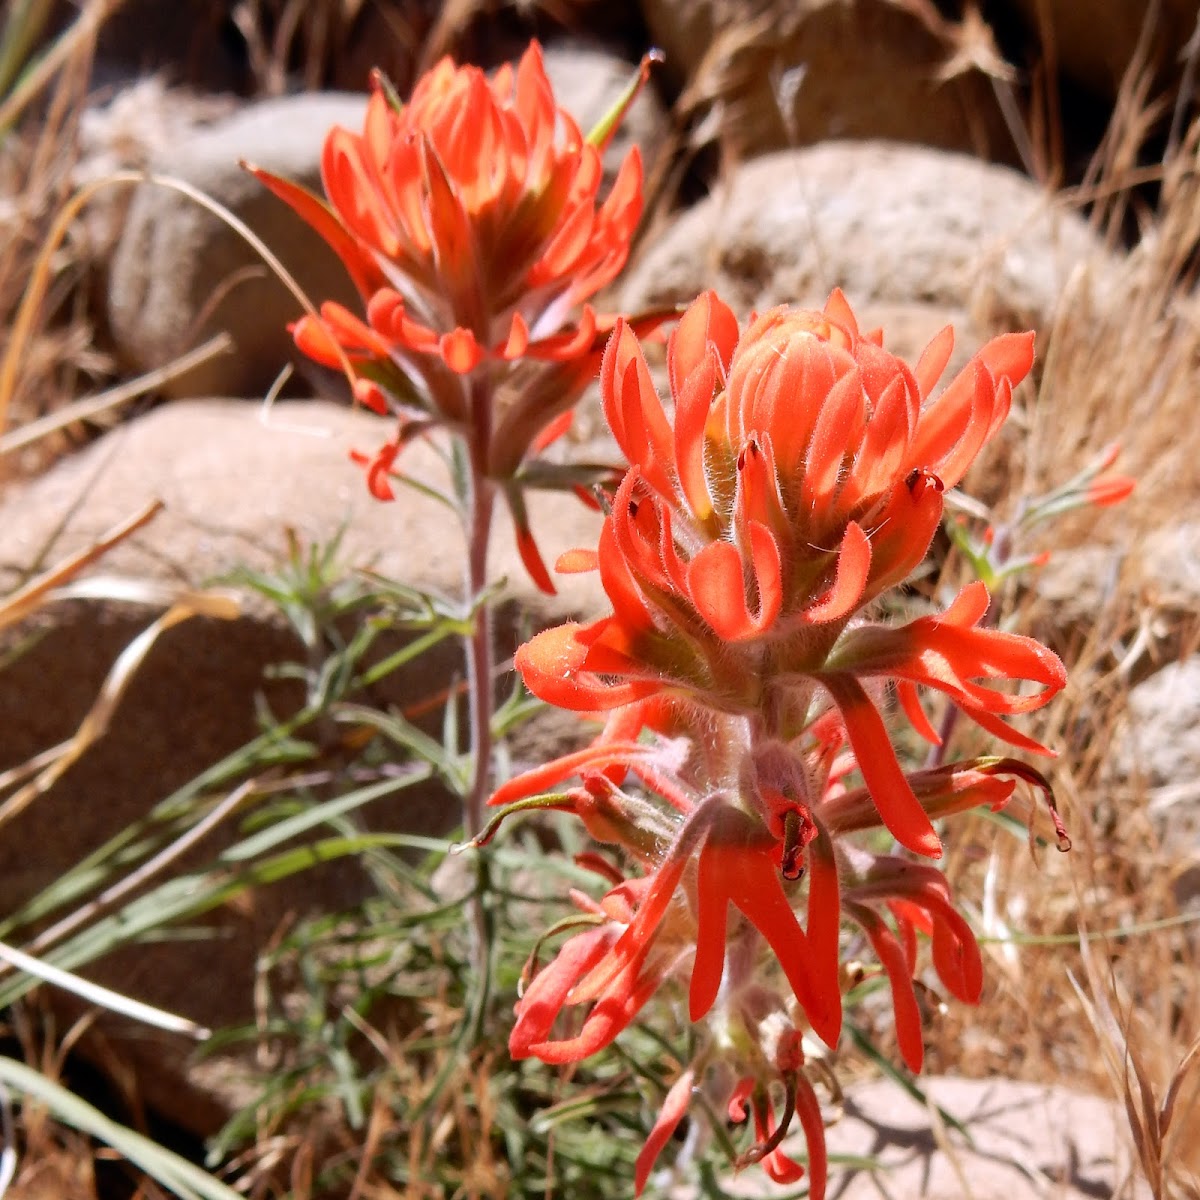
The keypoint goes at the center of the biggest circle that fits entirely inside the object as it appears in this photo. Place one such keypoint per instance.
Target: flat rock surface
(1027, 1142)
(232, 483)
(1158, 748)
(234, 476)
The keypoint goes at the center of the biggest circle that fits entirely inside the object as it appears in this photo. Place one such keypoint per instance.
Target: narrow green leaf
(176, 1174)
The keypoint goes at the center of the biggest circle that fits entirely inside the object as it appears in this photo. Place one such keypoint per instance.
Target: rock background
(890, 224)
(1025, 1140)
(180, 273)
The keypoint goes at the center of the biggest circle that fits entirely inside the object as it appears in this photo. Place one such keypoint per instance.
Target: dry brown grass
(36, 164)
(53, 1162)
(1111, 1002)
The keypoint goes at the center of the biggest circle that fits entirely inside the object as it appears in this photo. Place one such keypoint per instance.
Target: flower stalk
(469, 221)
(480, 506)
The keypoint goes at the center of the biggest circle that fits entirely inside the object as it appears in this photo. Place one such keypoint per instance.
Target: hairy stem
(480, 504)
(479, 659)
(481, 501)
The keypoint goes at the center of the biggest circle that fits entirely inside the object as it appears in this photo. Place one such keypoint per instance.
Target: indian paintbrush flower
(724, 867)
(470, 221)
(802, 476)
(799, 475)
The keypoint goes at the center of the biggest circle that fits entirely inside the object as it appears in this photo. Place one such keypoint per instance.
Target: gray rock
(1158, 749)
(1029, 1140)
(1170, 563)
(180, 273)
(134, 127)
(1159, 569)
(888, 223)
(1165, 713)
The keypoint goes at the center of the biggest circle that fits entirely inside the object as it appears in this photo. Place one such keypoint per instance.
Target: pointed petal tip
(929, 845)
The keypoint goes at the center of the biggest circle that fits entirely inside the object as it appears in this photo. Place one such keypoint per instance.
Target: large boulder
(1096, 44)
(890, 224)
(180, 273)
(764, 74)
(233, 483)
(133, 127)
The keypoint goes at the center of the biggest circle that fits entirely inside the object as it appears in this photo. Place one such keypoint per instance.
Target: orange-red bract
(470, 221)
(799, 474)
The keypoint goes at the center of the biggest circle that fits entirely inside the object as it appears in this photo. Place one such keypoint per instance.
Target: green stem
(481, 502)
(479, 646)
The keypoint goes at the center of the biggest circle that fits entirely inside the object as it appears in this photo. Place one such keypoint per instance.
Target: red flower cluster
(803, 476)
(470, 222)
(799, 475)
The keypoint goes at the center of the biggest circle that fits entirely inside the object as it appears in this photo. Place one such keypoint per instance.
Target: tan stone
(180, 274)
(764, 74)
(888, 223)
